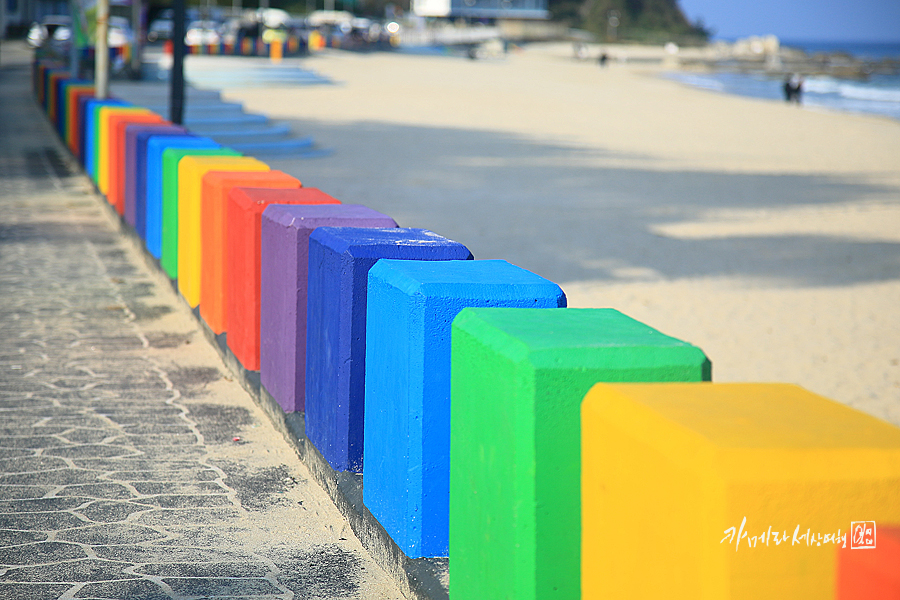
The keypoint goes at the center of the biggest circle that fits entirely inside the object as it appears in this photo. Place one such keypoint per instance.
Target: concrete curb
(421, 579)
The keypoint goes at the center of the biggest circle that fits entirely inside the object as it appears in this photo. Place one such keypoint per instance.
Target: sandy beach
(766, 234)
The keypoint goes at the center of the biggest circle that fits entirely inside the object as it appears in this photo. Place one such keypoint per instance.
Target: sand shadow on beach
(573, 213)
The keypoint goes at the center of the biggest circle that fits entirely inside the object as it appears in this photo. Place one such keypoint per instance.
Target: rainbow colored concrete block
(242, 303)
(518, 376)
(65, 102)
(170, 189)
(339, 263)
(136, 163)
(411, 304)
(213, 222)
(738, 491)
(104, 137)
(284, 281)
(868, 565)
(91, 134)
(54, 80)
(155, 147)
(118, 159)
(75, 118)
(191, 170)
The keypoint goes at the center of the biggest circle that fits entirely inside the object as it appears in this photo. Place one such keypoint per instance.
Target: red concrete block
(869, 573)
(117, 123)
(74, 118)
(245, 208)
(214, 234)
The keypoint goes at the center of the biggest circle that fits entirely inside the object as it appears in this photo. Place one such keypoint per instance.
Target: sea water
(879, 94)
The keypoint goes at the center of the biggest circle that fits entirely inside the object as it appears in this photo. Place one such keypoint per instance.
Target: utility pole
(137, 50)
(176, 82)
(101, 52)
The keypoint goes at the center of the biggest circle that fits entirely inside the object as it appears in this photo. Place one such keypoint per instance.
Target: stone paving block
(726, 490)
(75, 118)
(872, 573)
(118, 160)
(214, 204)
(411, 305)
(191, 170)
(136, 163)
(171, 157)
(283, 284)
(518, 378)
(339, 263)
(105, 132)
(91, 134)
(155, 148)
(242, 264)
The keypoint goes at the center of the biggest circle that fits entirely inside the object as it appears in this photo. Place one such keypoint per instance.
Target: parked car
(120, 32)
(202, 32)
(160, 29)
(57, 27)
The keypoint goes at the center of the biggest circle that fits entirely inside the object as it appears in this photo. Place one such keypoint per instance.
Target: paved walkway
(131, 465)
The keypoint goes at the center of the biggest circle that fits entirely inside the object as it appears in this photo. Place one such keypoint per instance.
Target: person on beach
(793, 88)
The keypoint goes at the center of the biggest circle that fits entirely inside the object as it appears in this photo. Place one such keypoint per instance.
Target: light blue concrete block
(92, 115)
(411, 305)
(339, 263)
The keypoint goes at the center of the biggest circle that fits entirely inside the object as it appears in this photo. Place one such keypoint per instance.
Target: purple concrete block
(136, 137)
(284, 269)
(339, 263)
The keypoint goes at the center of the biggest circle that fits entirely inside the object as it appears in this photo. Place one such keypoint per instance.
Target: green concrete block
(518, 376)
(170, 159)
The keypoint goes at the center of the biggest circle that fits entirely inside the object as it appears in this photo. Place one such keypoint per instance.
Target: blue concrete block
(411, 305)
(91, 114)
(339, 263)
(156, 145)
(136, 138)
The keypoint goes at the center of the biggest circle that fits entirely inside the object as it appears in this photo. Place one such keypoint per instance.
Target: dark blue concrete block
(410, 307)
(136, 137)
(156, 145)
(91, 114)
(339, 263)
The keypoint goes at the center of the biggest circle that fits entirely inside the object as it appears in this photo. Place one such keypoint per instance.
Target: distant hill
(634, 20)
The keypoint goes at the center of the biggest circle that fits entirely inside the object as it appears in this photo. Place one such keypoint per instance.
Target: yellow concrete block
(103, 142)
(191, 170)
(726, 491)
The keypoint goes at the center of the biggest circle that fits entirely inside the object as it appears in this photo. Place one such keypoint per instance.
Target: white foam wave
(851, 91)
(858, 92)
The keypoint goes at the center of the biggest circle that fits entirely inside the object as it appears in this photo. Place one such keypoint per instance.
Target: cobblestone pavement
(131, 465)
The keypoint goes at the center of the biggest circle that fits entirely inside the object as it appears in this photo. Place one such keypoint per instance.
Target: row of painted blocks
(243, 47)
(398, 349)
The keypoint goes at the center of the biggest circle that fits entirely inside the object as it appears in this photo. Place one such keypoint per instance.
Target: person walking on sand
(793, 88)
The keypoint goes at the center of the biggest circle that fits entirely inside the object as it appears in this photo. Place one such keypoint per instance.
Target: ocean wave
(857, 92)
(851, 91)
(707, 83)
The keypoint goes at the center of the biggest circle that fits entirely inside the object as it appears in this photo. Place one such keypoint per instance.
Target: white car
(202, 32)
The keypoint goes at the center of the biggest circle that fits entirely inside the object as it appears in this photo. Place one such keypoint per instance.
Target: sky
(800, 20)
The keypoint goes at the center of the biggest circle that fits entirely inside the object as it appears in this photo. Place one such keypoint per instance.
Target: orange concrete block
(104, 133)
(214, 234)
(869, 567)
(116, 169)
